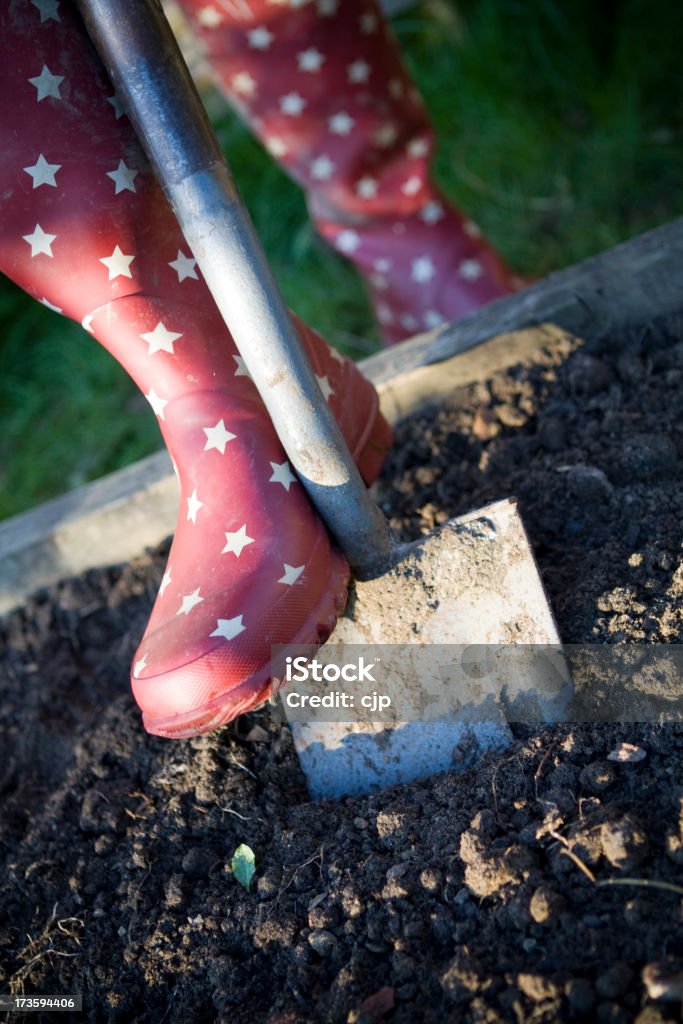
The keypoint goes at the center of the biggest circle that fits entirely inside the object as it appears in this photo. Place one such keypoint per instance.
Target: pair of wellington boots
(86, 231)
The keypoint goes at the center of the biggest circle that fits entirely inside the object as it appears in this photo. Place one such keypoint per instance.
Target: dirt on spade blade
(545, 885)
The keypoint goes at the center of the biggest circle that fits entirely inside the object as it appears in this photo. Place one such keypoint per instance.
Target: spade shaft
(142, 58)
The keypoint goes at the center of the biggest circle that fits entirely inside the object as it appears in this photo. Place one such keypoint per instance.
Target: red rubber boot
(86, 230)
(322, 84)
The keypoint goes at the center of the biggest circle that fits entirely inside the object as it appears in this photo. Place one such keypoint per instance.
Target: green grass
(560, 131)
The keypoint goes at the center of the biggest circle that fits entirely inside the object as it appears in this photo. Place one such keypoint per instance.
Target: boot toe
(191, 677)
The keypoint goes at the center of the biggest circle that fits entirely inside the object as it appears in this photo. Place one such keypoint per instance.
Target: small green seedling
(243, 865)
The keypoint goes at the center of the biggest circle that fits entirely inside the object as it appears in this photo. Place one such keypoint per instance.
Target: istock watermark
(393, 683)
(354, 675)
(301, 670)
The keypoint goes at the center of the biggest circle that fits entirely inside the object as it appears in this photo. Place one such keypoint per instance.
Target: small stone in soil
(588, 375)
(643, 458)
(663, 979)
(589, 484)
(174, 891)
(598, 777)
(536, 987)
(323, 942)
(624, 842)
(431, 879)
(322, 917)
(485, 424)
(627, 753)
(546, 905)
(510, 415)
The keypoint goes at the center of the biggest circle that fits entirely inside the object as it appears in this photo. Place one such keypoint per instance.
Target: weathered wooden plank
(108, 521)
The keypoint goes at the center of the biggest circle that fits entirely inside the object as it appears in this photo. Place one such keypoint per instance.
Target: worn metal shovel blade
(474, 581)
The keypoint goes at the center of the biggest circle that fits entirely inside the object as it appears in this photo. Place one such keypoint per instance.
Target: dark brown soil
(537, 888)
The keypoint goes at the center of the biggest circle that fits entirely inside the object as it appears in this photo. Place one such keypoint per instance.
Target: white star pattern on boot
(189, 602)
(86, 323)
(433, 319)
(40, 242)
(118, 264)
(386, 135)
(43, 173)
(408, 321)
(341, 123)
(368, 23)
(123, 177)
(158, 404)
(51, 305)
(322, 168)
(217, 437)
(209, 17)
(417, 148)
(432, 212)
(292, 573)
(140, 665)
(359, 71)
(236, 541)
(184, 267)
(282, 474)
(325, 386)
(47, 84)
(310, 60)
(292, 104)
(228, 628)
(422, 269)
(471, 229)
(166, 579)
(412, 186)
(241, 370)
(470, 270)
(366, 188)
(244, 84)
(193, 506)
(48, 9)
(260, 38)
(276, 146)
(160, 339)
(347, 241)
